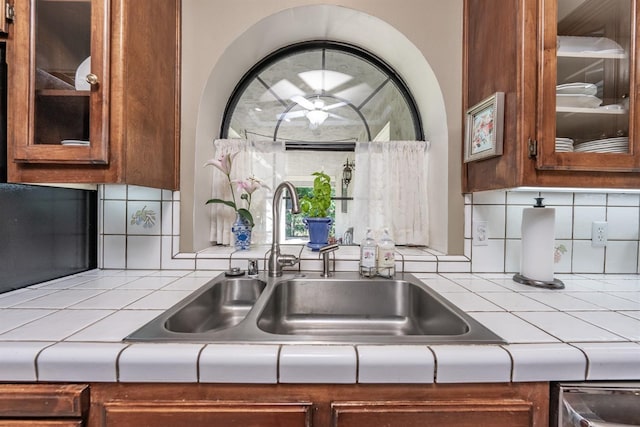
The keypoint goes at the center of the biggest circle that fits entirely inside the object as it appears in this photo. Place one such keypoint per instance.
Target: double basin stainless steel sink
(306, 308)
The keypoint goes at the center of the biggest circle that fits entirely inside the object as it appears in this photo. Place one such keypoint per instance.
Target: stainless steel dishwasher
(596, 404)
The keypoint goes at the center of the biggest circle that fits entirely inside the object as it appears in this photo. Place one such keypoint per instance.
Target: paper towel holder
(554, 284)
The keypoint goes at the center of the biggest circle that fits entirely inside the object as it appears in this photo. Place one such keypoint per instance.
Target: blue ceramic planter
(318, 231)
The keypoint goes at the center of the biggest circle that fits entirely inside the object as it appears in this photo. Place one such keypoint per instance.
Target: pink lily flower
(222, 162)
(250, 185)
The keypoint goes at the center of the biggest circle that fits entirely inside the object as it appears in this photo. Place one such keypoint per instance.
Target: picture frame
(484, 129)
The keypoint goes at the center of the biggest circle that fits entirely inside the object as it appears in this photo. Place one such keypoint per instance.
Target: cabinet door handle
(92, 79)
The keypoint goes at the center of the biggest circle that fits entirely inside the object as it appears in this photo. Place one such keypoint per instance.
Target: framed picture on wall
(483, 132)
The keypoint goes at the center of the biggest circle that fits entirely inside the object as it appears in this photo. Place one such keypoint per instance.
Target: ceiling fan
(316, 111)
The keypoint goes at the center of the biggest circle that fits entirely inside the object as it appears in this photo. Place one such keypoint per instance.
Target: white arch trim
(318, 22)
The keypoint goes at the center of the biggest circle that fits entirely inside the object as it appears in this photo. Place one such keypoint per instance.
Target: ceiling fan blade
(335, 116)
(292, 115)
(303, 102)
(336, 105)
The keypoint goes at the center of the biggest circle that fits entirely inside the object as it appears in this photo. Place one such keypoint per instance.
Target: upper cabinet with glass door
(588, 76)
(570, 73)
(67, 78)
(94, 92)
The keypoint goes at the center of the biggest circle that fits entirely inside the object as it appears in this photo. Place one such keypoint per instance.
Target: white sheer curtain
(262, 159)
(390, 190)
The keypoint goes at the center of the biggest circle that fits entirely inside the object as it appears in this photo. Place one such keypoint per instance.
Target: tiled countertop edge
(344, 364)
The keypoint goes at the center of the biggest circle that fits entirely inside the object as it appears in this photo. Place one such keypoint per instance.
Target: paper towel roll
(538, 240)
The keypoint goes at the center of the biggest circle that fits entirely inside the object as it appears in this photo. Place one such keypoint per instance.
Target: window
(321, 95)
(320, 98)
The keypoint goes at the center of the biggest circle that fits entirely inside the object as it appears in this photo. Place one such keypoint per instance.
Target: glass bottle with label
(368, 255)
(386, 255)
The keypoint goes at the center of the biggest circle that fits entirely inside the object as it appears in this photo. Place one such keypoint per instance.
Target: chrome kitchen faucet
(276, 259)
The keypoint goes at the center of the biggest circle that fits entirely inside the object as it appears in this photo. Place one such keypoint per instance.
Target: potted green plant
(315, 208)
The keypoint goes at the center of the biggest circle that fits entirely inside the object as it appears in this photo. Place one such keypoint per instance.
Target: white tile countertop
(71, 330)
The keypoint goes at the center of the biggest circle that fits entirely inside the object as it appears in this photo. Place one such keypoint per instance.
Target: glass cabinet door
(586, 118)
(67, 111)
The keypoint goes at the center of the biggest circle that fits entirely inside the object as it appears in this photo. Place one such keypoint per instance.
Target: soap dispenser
(368, 255)
(386, 255)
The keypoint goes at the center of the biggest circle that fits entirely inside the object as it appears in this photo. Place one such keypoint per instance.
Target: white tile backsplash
(143, 252)
(590, 199)
(623, 222)
(489, 198)
(556, 198)
(488, 258)
(115, 217)
(622, 199)
(564, 222)
(586, 258)
(583, 217)
(621, 256)
(494, 215)
(114, 251)
(123, 245)
(114, 192)
(143, 193)
(514, 222)
(525, 198)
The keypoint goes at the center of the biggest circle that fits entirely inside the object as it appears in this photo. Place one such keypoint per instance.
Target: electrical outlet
(480, 233)
(599, 234)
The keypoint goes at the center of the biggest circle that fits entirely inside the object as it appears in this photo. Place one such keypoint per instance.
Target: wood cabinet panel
(206, 414)
(319, 405)
(462, 413)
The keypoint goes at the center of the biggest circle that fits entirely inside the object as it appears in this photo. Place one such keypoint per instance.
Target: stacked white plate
(564, 145)
(81, 75)
(577, 88)
(607, 145)
(577, 101)
(584, 45)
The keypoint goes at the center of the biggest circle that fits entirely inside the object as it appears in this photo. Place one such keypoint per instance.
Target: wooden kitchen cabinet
(570, 73)
(35, 405)
(202, 413)
(94, 92)
(284, 405)
(472, 412)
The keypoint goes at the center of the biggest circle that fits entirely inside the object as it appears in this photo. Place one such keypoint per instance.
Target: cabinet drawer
(206, 413)
(43, 401)
(507, 412)
(40, 423)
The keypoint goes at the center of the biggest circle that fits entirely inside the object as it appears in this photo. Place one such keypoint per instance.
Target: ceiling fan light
(317, 117)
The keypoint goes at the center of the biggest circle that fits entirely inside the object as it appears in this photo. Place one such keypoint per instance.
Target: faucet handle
(287, 260)
(324, 252)
(328, 248)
